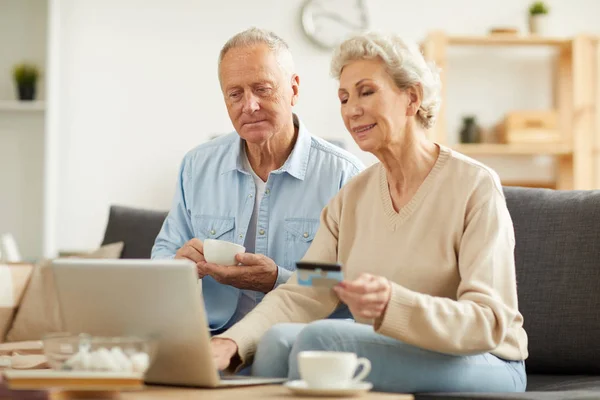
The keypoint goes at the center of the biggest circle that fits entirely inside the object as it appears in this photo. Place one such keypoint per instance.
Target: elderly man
(262, 186)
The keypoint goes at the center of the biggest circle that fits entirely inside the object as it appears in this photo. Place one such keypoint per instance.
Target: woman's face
(374, 109)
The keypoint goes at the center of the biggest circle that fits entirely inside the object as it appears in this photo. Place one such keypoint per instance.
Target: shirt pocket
(215, 227)
(299, 234)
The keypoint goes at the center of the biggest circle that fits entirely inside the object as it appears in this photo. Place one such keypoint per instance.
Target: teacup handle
(366, 368)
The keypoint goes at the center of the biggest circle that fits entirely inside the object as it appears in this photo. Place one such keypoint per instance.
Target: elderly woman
(426, 243)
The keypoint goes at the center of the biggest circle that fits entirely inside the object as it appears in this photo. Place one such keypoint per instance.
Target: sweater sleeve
(290, 302)
(486, 300)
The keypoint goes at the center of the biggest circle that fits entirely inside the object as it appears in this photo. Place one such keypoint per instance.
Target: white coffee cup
(331, 369)
(222, 252)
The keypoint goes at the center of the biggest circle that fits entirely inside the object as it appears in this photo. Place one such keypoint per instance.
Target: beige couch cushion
(13, 282)
(39, 312)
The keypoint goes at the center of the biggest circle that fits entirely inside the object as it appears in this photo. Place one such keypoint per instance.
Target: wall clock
(327, 22)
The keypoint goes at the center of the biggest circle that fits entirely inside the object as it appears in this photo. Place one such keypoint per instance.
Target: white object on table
(9, 251)
(113, 360)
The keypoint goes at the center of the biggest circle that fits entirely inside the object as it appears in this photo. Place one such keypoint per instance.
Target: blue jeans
(342, 313)
(396, 366)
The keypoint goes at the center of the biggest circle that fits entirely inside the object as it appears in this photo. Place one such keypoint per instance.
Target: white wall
(22, 38)
(21, 190)
(139, 87)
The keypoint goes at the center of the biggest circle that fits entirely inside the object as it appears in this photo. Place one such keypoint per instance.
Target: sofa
(557, 257)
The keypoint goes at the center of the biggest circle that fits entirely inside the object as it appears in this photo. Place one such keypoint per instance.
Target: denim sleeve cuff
(282, 276)
(162, 256)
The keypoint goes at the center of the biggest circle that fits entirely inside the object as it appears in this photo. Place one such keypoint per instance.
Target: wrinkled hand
(367, 296)
(223, 350)
(258, 272)
(193, 250)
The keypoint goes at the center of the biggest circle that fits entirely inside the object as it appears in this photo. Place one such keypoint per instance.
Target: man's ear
(415, 96)
(295, 88)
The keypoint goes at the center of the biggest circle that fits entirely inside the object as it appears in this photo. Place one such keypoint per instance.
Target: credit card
(319, 274)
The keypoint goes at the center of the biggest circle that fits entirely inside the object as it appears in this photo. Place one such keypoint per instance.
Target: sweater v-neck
(393, 218)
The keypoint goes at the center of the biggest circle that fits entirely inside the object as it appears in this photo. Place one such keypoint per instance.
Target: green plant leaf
(538, 8)
(25, 74)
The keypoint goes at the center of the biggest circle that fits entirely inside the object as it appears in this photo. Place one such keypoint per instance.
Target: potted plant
(26, 77)
(538, 18)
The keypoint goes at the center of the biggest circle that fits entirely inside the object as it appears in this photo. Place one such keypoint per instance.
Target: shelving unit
(515, 149)
(505, 40)
(576, 91)
(23, 38)
(8, 105)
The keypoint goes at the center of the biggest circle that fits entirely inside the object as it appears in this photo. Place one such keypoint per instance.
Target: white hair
(255, 36)
(404, 62)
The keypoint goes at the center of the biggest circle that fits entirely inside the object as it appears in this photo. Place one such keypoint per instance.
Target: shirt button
(262, 231)
(241, 236)
(305, 234)
(212, 232)
(267, 191)
(250, 196)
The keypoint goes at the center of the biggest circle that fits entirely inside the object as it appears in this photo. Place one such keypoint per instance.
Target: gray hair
(404, 62)
(255, 36)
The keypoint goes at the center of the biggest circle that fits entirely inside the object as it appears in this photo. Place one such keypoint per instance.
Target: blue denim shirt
(215, 199)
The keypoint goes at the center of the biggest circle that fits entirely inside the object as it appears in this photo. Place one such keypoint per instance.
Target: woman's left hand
(367, 296)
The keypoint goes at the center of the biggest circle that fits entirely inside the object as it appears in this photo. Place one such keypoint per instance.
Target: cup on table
(331, 369)
(222, 252)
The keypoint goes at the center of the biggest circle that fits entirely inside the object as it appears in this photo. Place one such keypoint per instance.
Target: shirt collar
(295, 165)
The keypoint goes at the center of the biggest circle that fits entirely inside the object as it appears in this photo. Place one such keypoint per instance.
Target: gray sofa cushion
(558, 276)
(136, 227)
(558, 395)
(563, 382)
(538, 387)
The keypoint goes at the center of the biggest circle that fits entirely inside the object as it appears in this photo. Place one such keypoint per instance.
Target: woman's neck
(407, 163)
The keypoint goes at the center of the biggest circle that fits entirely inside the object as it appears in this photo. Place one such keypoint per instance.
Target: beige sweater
(448, 253)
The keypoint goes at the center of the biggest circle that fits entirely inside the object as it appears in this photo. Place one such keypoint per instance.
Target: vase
(539, 24)
(26, 91)
(470, 132)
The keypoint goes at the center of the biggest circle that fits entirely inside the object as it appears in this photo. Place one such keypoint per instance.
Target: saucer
(301, 388)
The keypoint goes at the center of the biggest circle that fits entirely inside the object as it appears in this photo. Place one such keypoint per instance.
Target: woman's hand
(367, 296)
(223, 350)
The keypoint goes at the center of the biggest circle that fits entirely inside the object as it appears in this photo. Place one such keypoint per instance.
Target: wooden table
(242, 393)
(180, 393)
(151, 392)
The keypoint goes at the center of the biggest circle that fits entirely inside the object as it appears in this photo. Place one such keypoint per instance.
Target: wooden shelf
(576, 103)
(14, 105)
(491, 149)
(531, 184)
(506, 40)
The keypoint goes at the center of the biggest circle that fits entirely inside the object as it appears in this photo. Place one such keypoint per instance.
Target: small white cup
(221, 252)
(331, 369)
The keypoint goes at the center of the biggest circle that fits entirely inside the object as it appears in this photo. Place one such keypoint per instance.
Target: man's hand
(258, 272)
(223, 350)
(367, 296)
(193, 250)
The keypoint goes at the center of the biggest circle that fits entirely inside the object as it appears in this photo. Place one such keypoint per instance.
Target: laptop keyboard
(234, 377)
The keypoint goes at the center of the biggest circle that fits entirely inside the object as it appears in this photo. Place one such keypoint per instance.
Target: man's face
(258, 94)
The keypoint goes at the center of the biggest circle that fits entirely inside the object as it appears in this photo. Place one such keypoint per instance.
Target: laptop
(157, 298)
